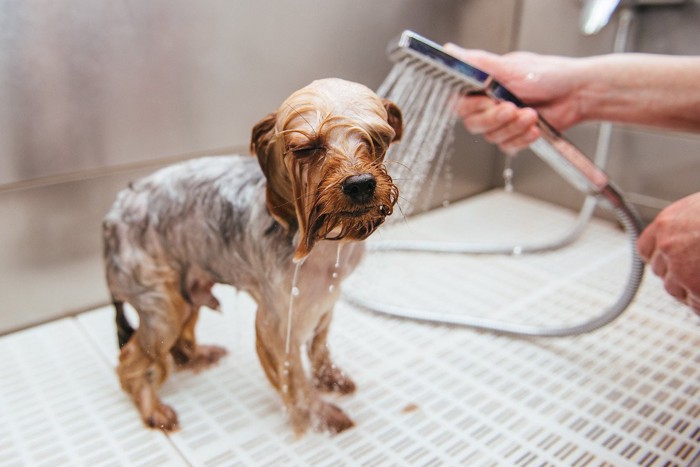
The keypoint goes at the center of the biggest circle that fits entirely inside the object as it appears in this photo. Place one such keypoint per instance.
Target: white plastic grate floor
(628, 394)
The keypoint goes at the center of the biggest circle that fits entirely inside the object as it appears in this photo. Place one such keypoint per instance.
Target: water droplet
(446, 203)
(508, 174)
(331, 288)
(285, 388)
(334, 275)
(286, 363)
(293, 293)
(517, 250)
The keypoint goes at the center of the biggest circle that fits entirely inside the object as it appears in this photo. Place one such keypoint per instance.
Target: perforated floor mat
(628, 394)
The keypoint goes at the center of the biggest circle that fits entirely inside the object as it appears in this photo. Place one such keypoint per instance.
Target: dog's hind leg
(143, 361)
(124, 329)
(190, 355)
(326, 375)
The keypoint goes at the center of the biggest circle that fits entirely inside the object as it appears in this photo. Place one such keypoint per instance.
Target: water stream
(508, 174)
(427, 105)
(336, 267)
(293, 294)
(421, 162)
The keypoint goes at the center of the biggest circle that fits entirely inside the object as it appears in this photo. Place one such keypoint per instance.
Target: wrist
(591, 92)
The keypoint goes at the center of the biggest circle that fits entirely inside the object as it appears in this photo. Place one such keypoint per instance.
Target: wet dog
(272, 227)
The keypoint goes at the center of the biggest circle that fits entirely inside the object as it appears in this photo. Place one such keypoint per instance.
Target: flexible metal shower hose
(624, 214)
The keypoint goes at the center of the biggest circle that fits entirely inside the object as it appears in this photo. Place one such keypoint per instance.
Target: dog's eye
(311, 151)
(378, 148)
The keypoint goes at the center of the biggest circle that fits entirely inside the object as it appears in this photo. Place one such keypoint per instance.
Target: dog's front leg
(326, 375)
(283, 367)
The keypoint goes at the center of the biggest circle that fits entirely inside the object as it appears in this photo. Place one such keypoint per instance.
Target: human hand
(546, 83)
(671, 246)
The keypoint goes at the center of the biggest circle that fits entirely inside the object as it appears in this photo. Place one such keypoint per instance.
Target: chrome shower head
(596, 14)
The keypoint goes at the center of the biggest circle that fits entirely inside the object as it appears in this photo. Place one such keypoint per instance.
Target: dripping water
(508, 174)
(285, 373)
(293, 294)
(337, 256)
(336, 267)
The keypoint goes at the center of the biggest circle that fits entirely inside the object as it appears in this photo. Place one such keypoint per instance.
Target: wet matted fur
(319, 180)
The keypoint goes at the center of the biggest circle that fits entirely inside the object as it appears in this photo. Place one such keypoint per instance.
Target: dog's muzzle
(359, 188)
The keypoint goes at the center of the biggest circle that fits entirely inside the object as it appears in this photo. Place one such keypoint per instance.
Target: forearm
(641, 89)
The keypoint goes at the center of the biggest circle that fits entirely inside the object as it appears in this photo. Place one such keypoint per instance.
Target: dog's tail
(124, 329)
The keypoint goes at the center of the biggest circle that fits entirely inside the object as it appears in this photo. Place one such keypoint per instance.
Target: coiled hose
(624, 213)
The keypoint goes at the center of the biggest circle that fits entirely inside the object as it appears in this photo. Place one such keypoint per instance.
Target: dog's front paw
(332, 379)
(163, 417)
(330, 418)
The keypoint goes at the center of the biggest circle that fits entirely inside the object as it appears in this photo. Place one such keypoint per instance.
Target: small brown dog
(171, 236)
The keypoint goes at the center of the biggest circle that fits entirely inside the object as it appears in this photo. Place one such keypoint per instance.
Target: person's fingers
(693, 302)
(515, 133)
(512, 146)
(486, 61)
(675, 289)
(658, 264)
(502, 123)
(475, 104)
(491, 119)
(646, 243)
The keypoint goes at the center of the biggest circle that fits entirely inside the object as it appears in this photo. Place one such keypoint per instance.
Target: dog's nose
(359, 188)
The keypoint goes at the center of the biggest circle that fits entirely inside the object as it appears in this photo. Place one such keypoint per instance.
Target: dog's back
(167, 223)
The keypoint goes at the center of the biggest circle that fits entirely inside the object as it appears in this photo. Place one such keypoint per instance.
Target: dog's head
(322, 153)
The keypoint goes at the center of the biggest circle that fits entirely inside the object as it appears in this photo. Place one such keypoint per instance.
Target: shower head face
(429, 53)
(446, 66)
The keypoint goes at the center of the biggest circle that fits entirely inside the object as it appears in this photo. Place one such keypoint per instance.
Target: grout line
(53, 319)
(86, 174)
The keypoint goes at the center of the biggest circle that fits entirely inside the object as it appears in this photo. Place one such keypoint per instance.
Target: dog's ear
(262, 134)
(279, 188)
(394, 118)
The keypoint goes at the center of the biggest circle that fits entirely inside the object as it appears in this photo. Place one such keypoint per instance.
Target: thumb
(485, 61)
(646, 243)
